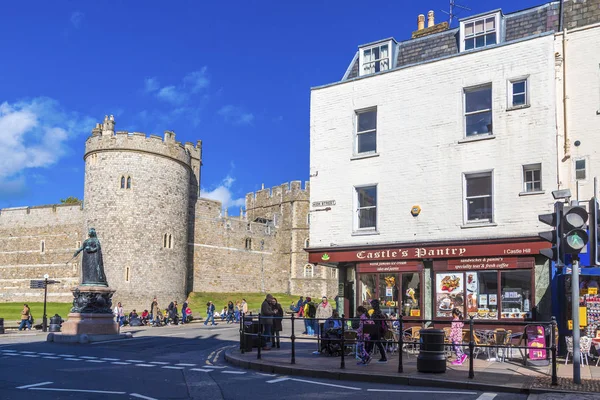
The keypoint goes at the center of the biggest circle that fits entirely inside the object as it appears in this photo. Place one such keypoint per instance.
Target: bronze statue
(92, 267)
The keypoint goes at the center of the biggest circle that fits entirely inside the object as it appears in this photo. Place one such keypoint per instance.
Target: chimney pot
(430, 19)
(421, 22)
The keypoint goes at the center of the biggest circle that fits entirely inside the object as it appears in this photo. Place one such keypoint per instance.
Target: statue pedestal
(91, 318)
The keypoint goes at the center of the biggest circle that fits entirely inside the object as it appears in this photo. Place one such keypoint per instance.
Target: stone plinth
(91, 324)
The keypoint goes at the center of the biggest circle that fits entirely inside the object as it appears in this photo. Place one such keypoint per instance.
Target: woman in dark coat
(277, 323)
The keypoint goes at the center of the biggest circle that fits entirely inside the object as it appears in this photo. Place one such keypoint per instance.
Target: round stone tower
(138, 195)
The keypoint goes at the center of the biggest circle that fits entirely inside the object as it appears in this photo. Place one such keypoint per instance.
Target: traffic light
(573, 229)
(554, 219)
(594, 231)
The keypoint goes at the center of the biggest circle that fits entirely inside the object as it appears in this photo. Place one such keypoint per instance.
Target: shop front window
(449, 293)
(388, 292)
(411, 290)
(368, 289)
(516, 293)
(482, 294)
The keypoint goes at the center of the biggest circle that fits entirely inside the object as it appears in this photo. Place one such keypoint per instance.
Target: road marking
(278, 380)
(28, 352)
(51, 357)
(326, 384)
(140, 396)
(171, 367)
(186, 365)
(120, 363)
(201, 370)
(34, 385)
(73, 359)
(159, 362)
(214, 366)
(122, 340)
(487, 396)
(77, 390)
(95, 361)
(66, 355)
(145, 365)
(88, 357)
(260, 373)
(11, 354)
(47, 354)
(135, 361)
(234, 372)
(418, 391)
(31, 355)
(111, 359)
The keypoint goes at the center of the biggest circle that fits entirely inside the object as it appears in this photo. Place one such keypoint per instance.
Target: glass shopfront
(489, 288)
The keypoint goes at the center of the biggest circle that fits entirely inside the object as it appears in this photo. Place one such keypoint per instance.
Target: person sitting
(298, 306)
(132, 315)
(158, 318)
(145, 317)
(333, 322)
(224, 313)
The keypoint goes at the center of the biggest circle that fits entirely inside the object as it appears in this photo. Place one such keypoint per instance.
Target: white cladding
(421, 160)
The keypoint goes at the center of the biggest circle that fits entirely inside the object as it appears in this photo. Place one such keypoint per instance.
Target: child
(456, 337)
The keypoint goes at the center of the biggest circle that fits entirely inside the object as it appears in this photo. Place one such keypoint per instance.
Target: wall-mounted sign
(483, 263)
(389, 266)
(325, 203)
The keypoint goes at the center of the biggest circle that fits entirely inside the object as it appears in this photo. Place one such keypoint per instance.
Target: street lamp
(262, 265)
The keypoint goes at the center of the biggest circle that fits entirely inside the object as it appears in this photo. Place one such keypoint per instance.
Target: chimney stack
(430, 19)
(421, 22)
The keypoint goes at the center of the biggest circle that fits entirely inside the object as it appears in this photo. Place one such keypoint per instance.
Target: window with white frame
(518, 93)
(308, 271)
(479, 197)
(480, 32)
(532, 178)
(478, 111)
(375, 58)
(366, 208)
(366, 131)
(580, 169)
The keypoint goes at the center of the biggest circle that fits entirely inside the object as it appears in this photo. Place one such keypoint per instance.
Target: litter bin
(432, 357)
(249, 338)
(1, 326)
(55, 323)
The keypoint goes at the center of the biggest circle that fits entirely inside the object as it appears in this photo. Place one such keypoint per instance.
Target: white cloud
(197, 80)
(171, 94)
(236, 115)
(223, 194)
(77, 19)
(34, 134)
(151, 85)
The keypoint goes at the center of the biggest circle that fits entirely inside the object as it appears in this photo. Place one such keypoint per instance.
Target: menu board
(449, 293)
(536, 339)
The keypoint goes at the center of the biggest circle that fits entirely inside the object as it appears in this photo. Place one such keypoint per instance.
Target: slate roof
(517, 25)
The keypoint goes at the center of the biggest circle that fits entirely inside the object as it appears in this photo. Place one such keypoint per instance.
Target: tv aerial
(454, 12)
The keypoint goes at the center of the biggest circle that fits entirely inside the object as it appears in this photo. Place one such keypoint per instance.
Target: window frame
(467, 114)
(473, 20)
(128, 184)
(122, 181)
(584, 169)
(510, 93)
(356, 219)
(361, 58)
(465, 199)
(308, 267)
(528, 168)
(357, 114)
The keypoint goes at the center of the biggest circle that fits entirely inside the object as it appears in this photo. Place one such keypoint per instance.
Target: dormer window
(375, 59)
(480, 31)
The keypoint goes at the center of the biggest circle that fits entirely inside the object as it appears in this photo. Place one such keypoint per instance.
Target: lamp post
(262, 265)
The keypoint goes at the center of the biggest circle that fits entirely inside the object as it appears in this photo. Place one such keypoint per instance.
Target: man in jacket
(267, 312)
(25, 316)
(210, 313)
(324, 311)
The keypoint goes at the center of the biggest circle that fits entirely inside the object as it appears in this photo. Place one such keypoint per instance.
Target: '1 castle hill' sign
(426, 252)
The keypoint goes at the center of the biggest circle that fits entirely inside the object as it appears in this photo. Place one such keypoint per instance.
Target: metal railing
(247, 321)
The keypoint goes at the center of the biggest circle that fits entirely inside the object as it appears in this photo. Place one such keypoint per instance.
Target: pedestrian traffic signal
(574, 229)
(594, 231)
(554, 219)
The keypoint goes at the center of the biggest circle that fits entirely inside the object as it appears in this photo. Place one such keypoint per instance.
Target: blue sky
(234, 74)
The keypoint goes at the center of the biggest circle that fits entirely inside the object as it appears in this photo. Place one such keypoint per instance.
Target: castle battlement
(67, 213)
(290, 191)
(104, 138)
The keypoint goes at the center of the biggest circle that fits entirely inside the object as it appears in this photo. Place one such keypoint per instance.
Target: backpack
(312, 310)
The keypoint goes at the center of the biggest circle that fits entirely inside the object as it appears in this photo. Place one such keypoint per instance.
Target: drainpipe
(565, 97)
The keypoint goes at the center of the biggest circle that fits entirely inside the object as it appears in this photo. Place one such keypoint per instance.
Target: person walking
(184, 307)
(361, 349)
(380, 320)
(230, 312)
(120, 314)
(244, 306)
(25, 318)
(154, 309)
(456, 337)
(310, 311)
(324, 311)
(277, 323)
(267, 312)
(210, 313)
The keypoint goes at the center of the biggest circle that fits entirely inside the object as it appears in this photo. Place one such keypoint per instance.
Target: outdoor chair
(569, 342)
(350, 341)
(501, 341)
(411, 338)
(585, 345)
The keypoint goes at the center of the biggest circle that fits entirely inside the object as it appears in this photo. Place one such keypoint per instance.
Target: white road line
(278, 380)
(122, 340)
(213, 366)
(145, 365)
(326, 384)
(28, 352)
(46, 354)
(31, 355)
(260, 373)
(111, 359)
(96, 361)
(120, 363)
(77, 390)
(201, 370)
(9, 351)
(73, 359)
(135, 361)
(66, 355)
(418, 391)
(34, 385)
(51, 357)
(186, 365)
(11, 354)
(487, 396)
(234, 372)
(140, 396)
(159, 362)
(171, 367)
(88, 357)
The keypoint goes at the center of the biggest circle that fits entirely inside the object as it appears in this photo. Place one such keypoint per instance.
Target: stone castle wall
(35, 241)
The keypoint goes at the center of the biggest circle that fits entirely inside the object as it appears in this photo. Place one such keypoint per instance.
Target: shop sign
(468, 264)
(326, 203)
(388, 266)
(433, 252)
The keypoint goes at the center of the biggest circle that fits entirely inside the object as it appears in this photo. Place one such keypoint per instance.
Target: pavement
(510, 376)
